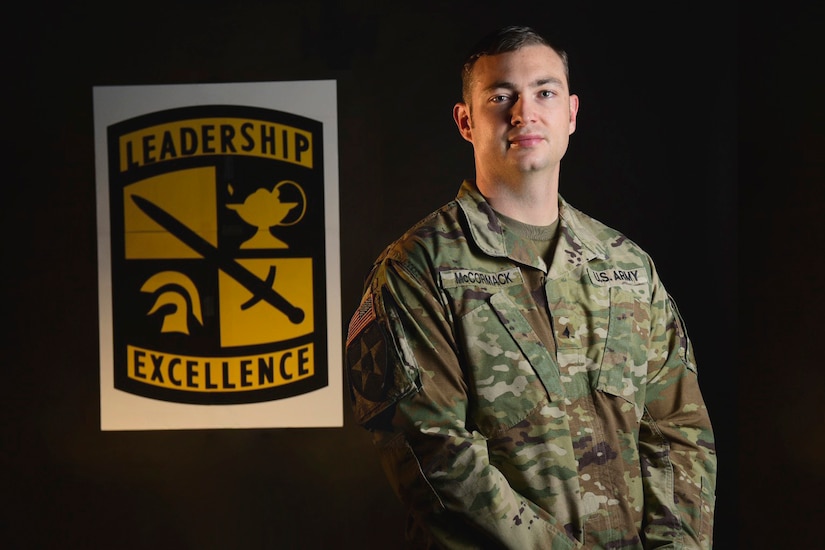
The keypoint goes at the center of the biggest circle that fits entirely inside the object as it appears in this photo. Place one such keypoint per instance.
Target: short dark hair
(506, 39)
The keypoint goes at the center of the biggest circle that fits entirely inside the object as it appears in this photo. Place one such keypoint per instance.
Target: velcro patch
(471, 277)
(618, 277)
(364, 316)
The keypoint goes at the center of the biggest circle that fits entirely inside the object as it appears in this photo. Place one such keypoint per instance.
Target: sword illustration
(260, 290)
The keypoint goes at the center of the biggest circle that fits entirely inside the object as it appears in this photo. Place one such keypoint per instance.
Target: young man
(528, 380)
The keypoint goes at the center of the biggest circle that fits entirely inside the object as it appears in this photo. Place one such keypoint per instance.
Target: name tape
(470, 277)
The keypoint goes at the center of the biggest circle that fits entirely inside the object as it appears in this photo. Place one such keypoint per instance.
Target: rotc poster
(218, 256)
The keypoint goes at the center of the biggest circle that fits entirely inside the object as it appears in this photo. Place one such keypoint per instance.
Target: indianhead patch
(217, 254)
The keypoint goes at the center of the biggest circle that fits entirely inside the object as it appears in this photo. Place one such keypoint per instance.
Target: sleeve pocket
(380, 366)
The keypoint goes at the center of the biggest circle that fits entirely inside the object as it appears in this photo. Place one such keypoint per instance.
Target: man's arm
(676, 446)
(438, 467)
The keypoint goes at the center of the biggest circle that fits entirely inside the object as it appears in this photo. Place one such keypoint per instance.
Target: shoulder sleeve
(381, 367)
(676, 438)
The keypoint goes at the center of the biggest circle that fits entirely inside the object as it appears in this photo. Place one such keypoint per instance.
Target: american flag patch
(364, 316)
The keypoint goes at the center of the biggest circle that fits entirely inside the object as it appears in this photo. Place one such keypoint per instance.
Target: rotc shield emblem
(217, 254)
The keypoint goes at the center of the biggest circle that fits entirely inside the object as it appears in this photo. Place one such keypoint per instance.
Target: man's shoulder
(606, 242)
(434, 230)
(578, 219)
(596, 233)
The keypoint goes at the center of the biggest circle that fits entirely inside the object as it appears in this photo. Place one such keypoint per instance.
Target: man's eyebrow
(507, 85)
(549, 80)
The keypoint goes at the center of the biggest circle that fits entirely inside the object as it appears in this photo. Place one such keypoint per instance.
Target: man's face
(520, 114)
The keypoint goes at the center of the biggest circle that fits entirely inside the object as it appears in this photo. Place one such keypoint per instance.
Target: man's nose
(522, 112)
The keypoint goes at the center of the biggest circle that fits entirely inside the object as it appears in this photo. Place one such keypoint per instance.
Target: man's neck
(534, 201)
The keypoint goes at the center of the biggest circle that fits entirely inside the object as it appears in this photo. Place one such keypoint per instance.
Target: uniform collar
(576, 245)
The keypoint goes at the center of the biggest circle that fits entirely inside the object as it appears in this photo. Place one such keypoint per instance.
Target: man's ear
(574, 111)
(461, 115)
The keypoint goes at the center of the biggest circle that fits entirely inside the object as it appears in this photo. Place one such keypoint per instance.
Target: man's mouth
(525, 141)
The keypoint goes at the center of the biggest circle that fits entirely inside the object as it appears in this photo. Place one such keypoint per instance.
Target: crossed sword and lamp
(260, 289)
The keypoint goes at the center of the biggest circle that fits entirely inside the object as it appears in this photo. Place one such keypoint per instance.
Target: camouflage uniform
(520, 405)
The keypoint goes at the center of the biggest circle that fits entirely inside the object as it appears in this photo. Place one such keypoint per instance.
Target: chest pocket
(512, 372)
(602, 332)
(623, 368)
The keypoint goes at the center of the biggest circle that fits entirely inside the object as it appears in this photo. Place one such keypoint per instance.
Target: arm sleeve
(417, 404)
(676, 445)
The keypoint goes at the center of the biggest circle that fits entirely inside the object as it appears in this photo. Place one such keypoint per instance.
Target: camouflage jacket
(520, 405)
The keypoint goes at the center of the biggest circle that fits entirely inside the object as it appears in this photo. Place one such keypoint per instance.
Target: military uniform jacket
(520, 405)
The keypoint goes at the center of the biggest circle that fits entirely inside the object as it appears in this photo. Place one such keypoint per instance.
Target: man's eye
(498, 99)
(547, 93)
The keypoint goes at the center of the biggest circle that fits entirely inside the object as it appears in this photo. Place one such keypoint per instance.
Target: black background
(699, 136)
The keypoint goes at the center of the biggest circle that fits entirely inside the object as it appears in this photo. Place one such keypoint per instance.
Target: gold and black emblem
(218, 255)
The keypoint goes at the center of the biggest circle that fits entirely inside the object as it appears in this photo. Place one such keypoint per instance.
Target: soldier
(526, 377)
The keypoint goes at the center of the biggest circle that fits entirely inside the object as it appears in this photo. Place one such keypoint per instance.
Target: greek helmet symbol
(174, 289)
